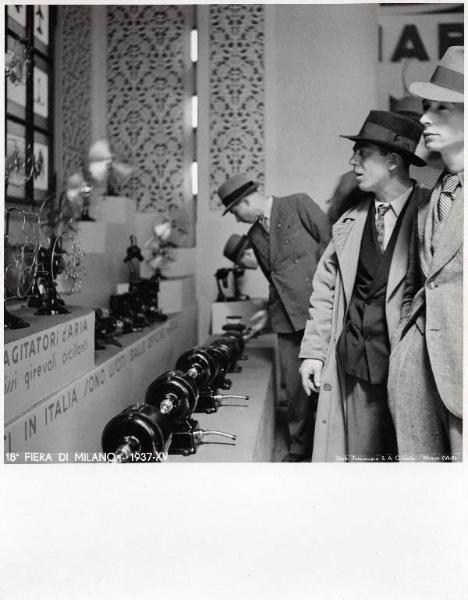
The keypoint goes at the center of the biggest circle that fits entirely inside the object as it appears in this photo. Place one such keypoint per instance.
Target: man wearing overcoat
(288, 236)
(357, 294)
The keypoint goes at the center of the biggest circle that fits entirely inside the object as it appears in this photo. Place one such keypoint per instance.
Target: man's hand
(311, 372)
(258, 322)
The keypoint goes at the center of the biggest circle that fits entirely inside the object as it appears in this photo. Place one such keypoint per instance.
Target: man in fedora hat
(347, 193)
(357, 294)
(288, 236)
(238, 250)
(425, 381)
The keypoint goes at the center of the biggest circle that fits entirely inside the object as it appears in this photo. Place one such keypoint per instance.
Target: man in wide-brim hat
(357, 294)
(425, 381)
(347, 193)
(288, 236)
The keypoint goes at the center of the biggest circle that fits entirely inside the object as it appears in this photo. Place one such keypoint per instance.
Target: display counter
(252, 421)
(61, 416)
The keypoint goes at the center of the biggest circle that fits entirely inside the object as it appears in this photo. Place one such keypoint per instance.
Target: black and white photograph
(233, 240)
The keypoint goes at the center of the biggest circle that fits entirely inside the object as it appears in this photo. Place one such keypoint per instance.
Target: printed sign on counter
(71, 419)
(57, 350)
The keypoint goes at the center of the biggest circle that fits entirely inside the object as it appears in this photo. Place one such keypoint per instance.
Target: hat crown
(395, 132)
(235, 188)
(447, 81)
(232, 184)
(235, 247)
(453, 59)
(381, 124)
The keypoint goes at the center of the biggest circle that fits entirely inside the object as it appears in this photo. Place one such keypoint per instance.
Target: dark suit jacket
(299, 233)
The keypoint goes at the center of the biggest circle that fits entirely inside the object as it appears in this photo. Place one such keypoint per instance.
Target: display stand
(103, 267)
(60, 393)
(43, 358)
(252, 421)
(66, 424)
(175, 293)
(71, 417)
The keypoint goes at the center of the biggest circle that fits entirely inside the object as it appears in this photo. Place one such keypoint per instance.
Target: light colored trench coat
(333, 286)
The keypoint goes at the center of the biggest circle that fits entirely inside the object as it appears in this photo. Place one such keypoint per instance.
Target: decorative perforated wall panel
(74, 45)
(237, 94)
(147, 102)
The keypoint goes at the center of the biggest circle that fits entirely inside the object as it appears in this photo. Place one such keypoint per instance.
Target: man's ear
(393, 160)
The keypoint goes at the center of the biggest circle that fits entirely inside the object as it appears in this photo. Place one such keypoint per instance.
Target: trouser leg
(369, 425)
(425, 429)
(300, 407)
(455, 429)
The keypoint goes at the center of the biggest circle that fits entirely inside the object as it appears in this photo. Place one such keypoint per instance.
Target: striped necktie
(449, 185)
(380, 224)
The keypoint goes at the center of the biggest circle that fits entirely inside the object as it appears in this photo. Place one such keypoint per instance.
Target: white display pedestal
(176, 293)
(104, 246)
(113, 209)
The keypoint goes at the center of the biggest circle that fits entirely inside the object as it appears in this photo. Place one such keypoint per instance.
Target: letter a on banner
(410, 45)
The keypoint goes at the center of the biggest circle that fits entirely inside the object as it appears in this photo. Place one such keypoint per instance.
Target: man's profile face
(443, 125)
(370, 167)
(248, 260)
(243, 211)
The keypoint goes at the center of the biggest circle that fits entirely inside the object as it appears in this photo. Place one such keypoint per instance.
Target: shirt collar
(461, 175)
(264, 219)
(267, 211)
(399, 202)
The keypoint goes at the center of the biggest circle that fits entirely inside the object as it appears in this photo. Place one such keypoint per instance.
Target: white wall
(321, 66)
(320, 70)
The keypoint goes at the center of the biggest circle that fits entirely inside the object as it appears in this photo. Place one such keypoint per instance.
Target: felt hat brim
(235, 247)
(414, 159)
(432, 91)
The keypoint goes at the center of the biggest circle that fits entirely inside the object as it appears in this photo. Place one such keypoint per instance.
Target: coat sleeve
(317, 334)
(414, 277)
(314, 220)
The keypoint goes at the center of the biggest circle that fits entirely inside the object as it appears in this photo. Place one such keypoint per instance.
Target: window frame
(34, 125)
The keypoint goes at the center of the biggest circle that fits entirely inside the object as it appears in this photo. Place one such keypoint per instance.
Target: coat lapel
(274, 235)
(425, 225)
(399, 264)
(347, 237)
(450, 236)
